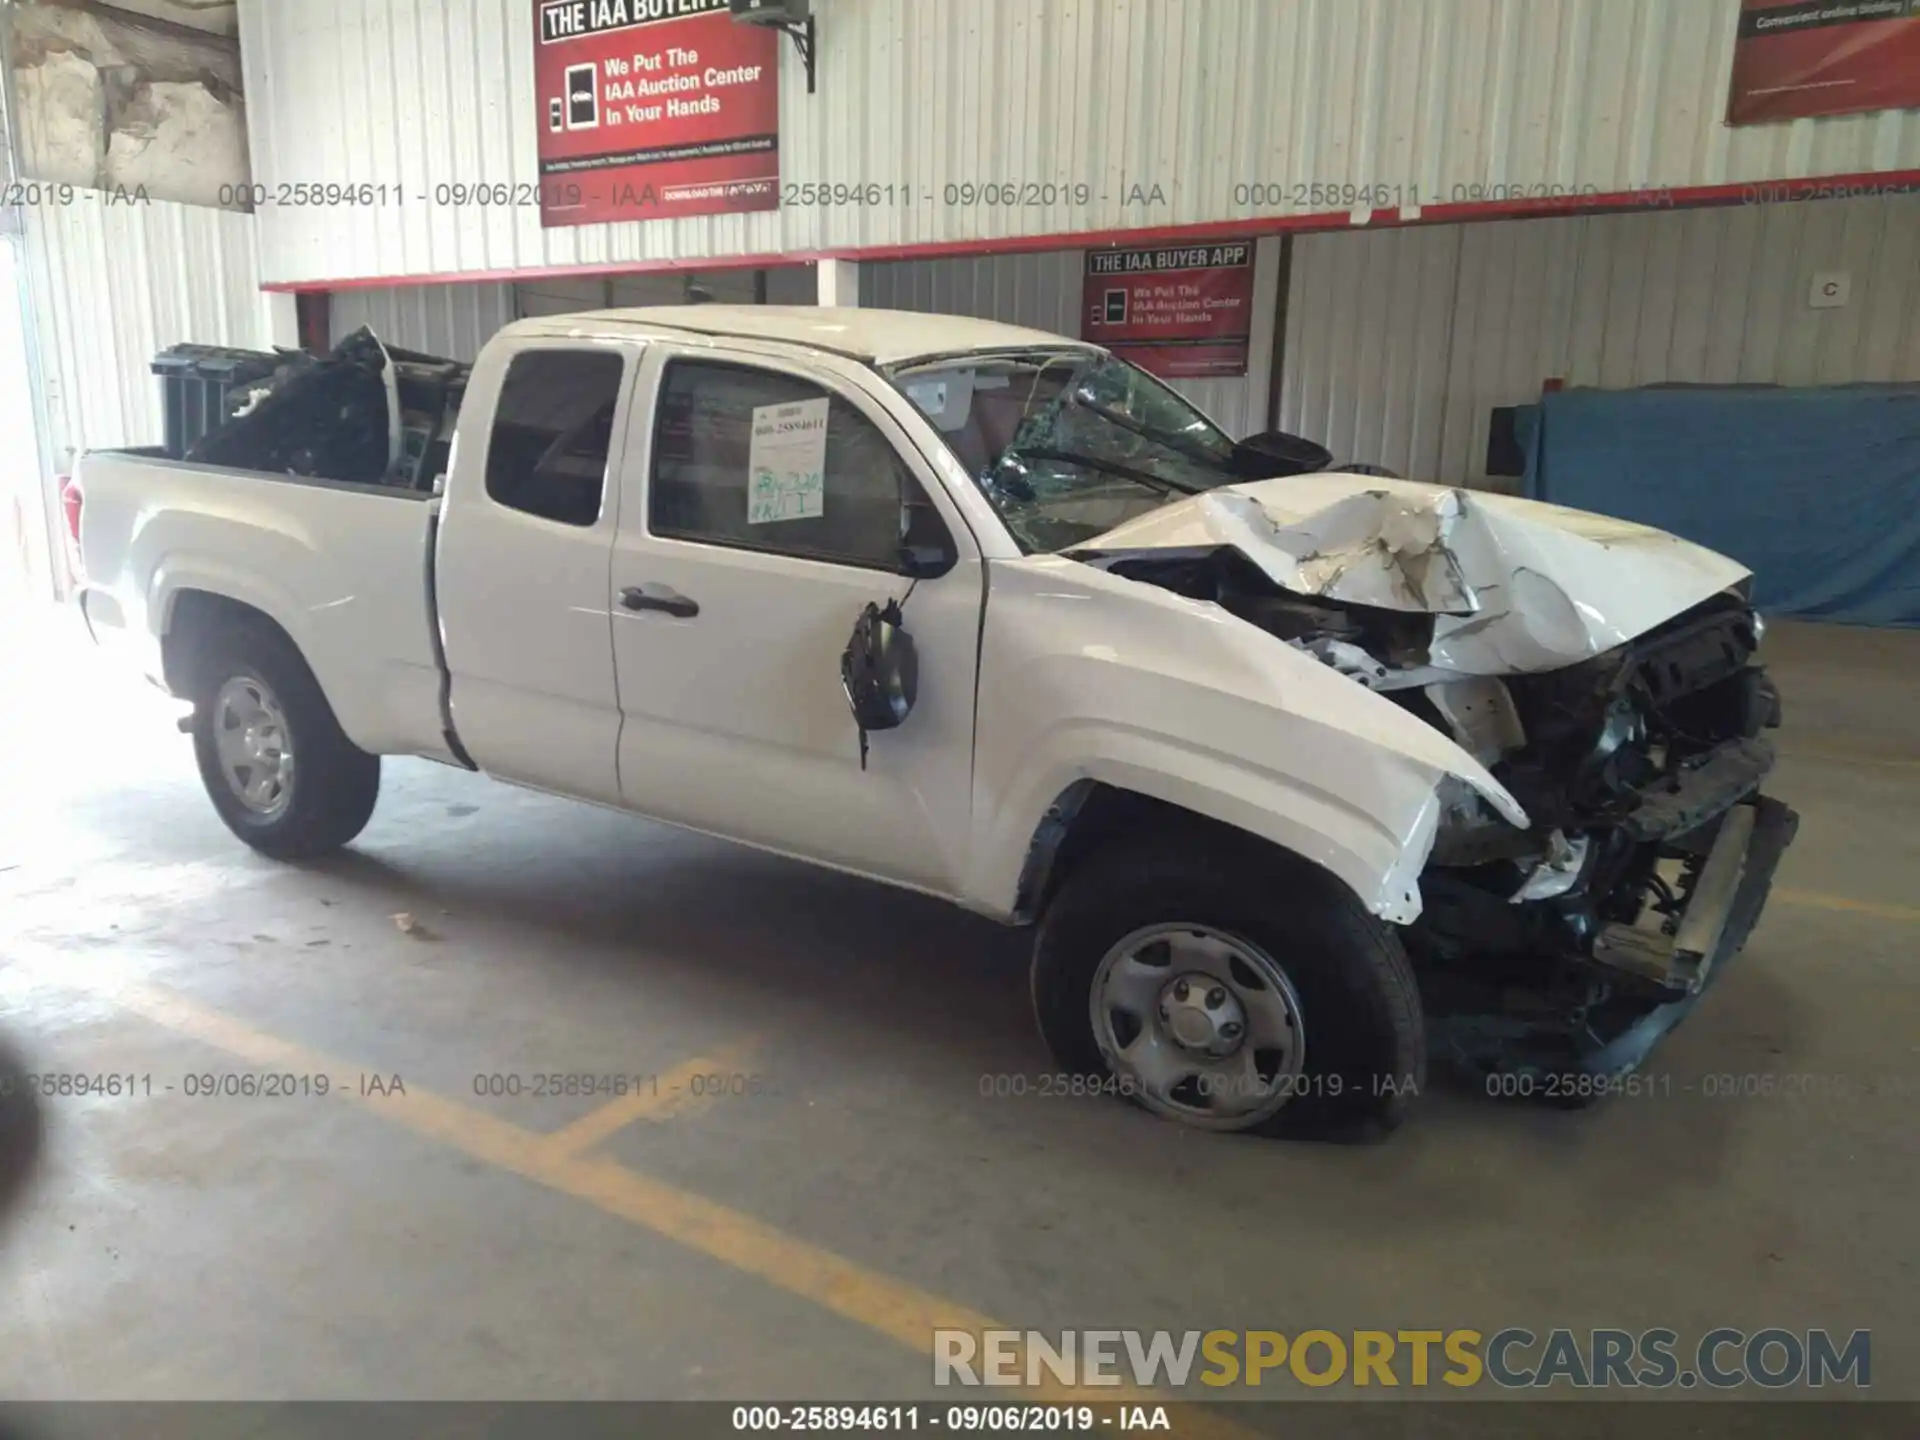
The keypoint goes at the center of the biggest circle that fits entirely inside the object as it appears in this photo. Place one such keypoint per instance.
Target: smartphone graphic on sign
(1116, 307)
(583, 96)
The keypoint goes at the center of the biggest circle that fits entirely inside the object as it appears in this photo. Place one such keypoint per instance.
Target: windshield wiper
(1112, 467)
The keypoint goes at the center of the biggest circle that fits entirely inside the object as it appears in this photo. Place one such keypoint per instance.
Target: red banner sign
(1178, 313)
(652, 109)
(1824, 57)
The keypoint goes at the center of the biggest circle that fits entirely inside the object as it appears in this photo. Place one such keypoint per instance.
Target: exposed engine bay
(1568, 946)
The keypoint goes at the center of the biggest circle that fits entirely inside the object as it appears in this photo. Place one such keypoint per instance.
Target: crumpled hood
(1516, 585)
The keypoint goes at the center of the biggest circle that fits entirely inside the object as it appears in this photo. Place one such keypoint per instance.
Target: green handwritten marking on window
(787, 462)
(785, 495)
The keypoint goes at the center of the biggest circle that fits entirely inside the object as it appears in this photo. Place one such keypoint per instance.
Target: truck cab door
(763, 512)
(521, 564)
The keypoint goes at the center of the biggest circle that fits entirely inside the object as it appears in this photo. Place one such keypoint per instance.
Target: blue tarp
(1817, 491)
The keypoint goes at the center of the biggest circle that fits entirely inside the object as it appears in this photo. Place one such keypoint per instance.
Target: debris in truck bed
(326, 418)
(329, 417)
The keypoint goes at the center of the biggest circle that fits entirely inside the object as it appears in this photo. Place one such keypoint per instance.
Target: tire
(1361, 1040)
(22, 1130)
(332, 785)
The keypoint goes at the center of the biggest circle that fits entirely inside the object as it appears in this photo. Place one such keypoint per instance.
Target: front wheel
(276, 765)
(1230, 988)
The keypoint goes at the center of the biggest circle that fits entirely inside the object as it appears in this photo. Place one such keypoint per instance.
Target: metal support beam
(837, 282)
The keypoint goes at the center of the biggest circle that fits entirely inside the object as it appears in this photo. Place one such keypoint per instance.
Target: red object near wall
(1824, 57)
(72, 503)
(1178, 312)
(653, 109)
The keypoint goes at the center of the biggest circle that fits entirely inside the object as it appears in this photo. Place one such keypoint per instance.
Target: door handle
(679, 606)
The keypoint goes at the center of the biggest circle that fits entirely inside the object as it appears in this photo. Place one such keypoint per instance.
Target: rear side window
(548, 451)
(759, 460)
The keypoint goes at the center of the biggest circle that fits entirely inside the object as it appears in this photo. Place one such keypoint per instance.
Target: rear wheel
(276, 765)
(1230, 988)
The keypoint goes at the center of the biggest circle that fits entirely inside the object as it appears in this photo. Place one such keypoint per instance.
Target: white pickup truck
(1298, 773)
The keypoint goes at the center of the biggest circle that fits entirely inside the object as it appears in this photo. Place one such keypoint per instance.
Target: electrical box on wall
(1829, 289)
(792, 18)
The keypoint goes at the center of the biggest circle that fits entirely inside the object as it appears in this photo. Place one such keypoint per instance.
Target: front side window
(760, 460)
(1068, 444)
(552, 430)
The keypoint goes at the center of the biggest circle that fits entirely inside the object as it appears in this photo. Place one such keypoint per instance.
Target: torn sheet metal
(1372, 548)
(1349, 659)
(1515, 585)
(1557, 872)
(1479, 709)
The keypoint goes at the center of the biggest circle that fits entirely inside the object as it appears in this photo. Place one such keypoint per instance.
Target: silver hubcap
(1204, 1026)
(250, 737)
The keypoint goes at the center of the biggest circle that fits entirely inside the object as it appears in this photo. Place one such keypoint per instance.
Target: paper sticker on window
(787, 462)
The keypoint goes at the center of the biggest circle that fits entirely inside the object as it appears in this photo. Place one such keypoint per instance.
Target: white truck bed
(343, 566)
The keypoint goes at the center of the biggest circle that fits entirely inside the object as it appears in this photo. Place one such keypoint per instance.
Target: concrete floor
(799, 1243)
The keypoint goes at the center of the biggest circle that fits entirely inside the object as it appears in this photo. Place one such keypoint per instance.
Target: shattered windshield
(1067, 444)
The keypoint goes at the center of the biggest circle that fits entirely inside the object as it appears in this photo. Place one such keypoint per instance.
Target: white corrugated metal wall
(455, 320)
(1044, 290)
(27, 528)
(111, 284)
(450, 320)
(1199, 98)
(1041, 290)
(1400, 342)
(560, 295)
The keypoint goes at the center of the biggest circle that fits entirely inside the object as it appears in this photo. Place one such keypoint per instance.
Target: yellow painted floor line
(1820, 900)
(672, 1092)
(901, 1312)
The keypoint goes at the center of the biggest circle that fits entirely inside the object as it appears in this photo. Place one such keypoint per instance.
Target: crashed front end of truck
(1572, 946)
(1604, 673)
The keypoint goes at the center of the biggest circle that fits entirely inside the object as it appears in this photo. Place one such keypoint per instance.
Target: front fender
(1088, 676)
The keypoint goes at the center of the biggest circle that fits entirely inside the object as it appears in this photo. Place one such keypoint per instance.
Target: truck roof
(882, 337)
